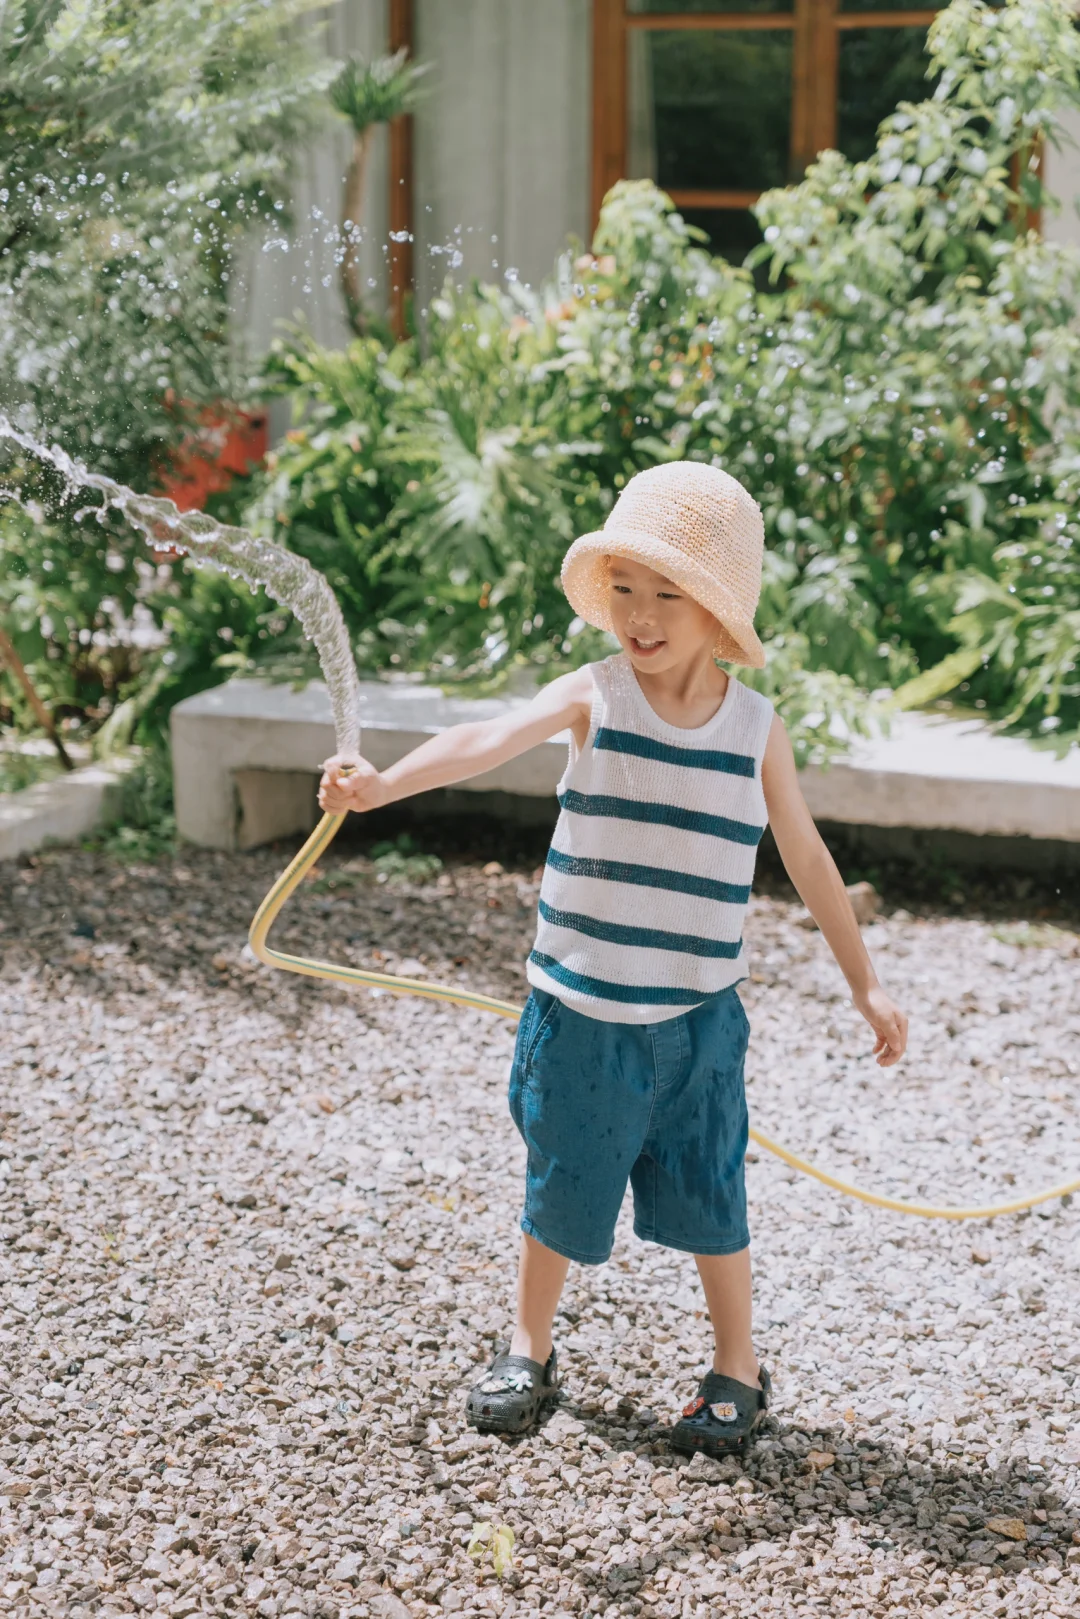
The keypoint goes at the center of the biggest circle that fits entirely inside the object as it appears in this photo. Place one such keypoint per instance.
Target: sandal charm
(721, 1427)
(519, 1381)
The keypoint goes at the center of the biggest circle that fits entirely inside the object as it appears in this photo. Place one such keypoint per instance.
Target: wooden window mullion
(828, 59)
(885, 19)
(401, 179)
(609, 88)
(814, 81)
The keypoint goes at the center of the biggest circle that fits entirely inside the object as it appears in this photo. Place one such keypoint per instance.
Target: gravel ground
(259, 1235)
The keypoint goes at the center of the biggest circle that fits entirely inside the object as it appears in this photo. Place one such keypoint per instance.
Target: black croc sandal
(512, 1393)
(724, 1415)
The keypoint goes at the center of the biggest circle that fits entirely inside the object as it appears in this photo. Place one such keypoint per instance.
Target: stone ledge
(951, 775)
(61, 810)
(933, 773)
(222, 737)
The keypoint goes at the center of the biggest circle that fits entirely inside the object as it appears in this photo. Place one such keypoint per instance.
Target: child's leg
(541, 1274)
(726, 1280)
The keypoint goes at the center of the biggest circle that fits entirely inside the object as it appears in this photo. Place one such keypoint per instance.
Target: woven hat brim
(584, 579)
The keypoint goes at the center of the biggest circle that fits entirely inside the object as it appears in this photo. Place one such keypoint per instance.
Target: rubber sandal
(724, 1415)
(512, 1393)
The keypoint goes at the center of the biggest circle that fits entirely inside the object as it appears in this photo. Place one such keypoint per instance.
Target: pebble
(260, 1235)
(1011, 1528)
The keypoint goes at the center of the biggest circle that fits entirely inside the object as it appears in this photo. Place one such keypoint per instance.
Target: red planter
(224, 442)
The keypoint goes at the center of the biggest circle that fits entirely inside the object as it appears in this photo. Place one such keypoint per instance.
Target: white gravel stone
(260, 1234)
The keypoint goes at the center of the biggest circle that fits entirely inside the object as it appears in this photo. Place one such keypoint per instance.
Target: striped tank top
(649, 871)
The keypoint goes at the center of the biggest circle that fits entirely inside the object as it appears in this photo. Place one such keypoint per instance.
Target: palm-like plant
(367, 94)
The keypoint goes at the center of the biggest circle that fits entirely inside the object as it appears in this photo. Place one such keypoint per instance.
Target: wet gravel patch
(259, 1234)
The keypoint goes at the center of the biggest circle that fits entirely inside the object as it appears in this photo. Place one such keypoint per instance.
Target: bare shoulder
(778, 761)
(789, 814)
(569, 695)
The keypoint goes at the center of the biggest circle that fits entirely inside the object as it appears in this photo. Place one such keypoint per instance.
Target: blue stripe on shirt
(625, 871)
(669, 753)
(636, 809)
(640, 994)
(690, 944)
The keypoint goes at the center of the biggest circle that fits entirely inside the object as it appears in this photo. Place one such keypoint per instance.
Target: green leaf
(943, 677)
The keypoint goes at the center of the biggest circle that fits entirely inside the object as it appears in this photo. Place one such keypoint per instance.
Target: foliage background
(897, 383)
(139, 141)
(901, 397)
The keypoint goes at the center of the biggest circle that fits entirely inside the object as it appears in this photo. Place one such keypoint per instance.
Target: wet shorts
(659, 1104)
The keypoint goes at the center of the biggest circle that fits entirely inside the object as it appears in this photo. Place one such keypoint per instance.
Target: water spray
(288, 578)
(292, 581)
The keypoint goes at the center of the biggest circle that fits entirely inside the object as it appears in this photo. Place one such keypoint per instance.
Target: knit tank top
(649, 871)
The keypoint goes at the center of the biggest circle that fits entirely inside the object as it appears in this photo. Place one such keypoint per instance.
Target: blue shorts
(659, 1104)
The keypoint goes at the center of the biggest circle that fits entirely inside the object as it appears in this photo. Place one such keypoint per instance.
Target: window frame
(400, 36)
(815, 26)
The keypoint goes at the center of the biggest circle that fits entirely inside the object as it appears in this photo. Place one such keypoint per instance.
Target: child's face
(658, 625)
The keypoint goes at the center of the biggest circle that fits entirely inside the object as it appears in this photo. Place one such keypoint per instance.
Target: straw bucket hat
(695, 525)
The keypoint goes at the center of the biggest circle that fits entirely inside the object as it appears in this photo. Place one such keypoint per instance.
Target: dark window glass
(732, 232)
(879, 67)
(711, 111)
(659, 8)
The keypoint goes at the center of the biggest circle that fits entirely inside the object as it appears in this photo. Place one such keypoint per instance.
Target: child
(630, 1049)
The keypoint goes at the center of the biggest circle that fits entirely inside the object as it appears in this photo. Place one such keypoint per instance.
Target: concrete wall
(291, 275)
(502, 160)
(1062, 176)
(503, 139)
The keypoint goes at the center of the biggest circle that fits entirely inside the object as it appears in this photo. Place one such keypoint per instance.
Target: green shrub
(918, 395)
(144, 825)
(403, 861)
(899, 389)
(140, 142)
(901, 398)
(19, 770)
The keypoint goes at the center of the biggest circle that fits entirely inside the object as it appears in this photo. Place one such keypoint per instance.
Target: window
(717, 100)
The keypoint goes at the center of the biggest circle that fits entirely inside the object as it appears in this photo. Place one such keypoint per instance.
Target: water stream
(288, 578)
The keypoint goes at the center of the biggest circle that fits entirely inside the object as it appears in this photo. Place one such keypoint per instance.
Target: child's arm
(813, 871)
(462, 750)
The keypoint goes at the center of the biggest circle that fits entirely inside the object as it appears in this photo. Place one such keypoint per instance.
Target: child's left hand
(888, 1023)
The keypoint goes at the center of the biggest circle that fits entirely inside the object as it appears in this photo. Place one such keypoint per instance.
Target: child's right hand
(362, 789)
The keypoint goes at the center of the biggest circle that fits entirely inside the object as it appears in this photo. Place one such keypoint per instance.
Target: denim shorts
(659, 1104)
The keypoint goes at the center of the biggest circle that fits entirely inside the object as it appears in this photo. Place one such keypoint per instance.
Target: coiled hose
(318, 843)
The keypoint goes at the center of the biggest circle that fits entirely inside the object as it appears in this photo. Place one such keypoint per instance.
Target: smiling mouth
(645, 648)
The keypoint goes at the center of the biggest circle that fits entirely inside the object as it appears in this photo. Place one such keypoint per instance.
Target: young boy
(630, 1050)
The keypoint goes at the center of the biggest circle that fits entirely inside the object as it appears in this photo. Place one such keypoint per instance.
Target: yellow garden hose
(318, 843)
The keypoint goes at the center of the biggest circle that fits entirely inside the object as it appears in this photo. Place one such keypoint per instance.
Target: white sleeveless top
(649, 871)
